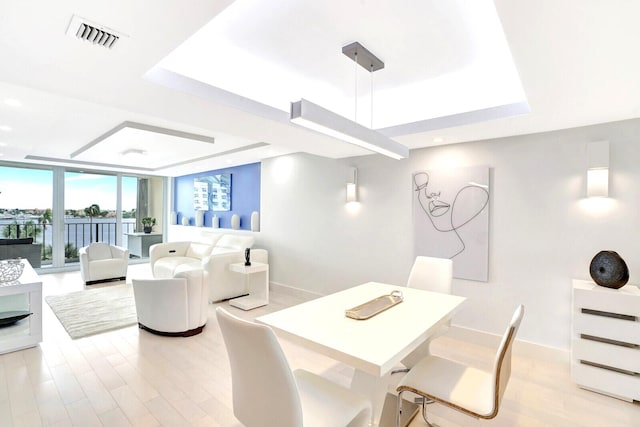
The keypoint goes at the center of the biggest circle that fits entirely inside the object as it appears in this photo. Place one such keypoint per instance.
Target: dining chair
(473, 391)
(267, 393)
(429, 274)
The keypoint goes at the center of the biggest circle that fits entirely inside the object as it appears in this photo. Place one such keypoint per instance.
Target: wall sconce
(352, 188)
(598, 169)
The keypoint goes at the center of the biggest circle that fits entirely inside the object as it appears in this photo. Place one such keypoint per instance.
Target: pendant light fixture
(312, 116)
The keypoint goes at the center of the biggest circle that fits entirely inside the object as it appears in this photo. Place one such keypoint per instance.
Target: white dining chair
(267, 393)
(467, 389)
(429, 274)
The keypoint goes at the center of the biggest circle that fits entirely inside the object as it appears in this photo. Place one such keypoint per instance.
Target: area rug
(93, 311)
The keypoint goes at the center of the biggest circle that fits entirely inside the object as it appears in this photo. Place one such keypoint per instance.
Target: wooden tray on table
(375, 306)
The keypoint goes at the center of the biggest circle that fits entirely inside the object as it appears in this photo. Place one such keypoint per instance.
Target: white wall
(542, 231)
(316, 243)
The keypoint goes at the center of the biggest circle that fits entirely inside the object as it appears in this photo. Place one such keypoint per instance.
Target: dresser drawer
(605, 342)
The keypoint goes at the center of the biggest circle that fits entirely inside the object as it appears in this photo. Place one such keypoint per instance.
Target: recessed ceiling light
(228, 161)
(12, 102)
(5, 128)
(438, 139)
(134, 152)
(134, 155)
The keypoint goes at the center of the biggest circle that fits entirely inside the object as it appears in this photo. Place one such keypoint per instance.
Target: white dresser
(605, 345)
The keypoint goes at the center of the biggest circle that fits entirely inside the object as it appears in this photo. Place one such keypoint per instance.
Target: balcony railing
(76, 235)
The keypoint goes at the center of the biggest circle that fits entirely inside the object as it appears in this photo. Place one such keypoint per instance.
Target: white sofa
(213, 252)
(101, 262)
(172, 307)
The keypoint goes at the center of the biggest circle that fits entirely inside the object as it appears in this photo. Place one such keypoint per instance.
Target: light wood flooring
(129, 377)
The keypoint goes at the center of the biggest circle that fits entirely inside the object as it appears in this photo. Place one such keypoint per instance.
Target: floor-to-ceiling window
(87, 206)
(25, 206)
(90, 201)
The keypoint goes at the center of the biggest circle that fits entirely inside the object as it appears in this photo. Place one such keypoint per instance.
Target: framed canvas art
(212, 193)
(451, 218)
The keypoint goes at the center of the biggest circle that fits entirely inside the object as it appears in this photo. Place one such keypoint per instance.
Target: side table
(256, 278)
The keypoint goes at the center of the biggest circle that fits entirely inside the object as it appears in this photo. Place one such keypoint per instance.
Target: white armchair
(175, 306)
(101, 262)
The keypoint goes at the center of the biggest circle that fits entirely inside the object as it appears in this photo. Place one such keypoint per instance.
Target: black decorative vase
(608, 269)
(146, 229)
(247, 257)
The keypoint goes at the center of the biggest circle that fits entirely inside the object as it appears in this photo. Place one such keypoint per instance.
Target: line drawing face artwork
(451, 218)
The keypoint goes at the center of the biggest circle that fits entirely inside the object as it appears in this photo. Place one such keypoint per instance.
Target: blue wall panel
(245, 196)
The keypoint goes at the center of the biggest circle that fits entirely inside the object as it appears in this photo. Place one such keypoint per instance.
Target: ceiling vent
(94, 33)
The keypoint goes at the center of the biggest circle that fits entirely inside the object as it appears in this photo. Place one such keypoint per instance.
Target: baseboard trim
(520, 347)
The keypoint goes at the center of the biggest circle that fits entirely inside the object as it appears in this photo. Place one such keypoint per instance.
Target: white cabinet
(139, 243)
(22, 294)
(605, 346)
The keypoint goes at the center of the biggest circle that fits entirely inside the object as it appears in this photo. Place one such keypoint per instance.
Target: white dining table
(373, 347)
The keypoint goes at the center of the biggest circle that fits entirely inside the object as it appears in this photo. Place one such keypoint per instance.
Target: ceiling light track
(363, 57)
(314, 117)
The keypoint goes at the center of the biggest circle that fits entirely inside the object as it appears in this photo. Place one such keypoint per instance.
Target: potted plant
(147, 223)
